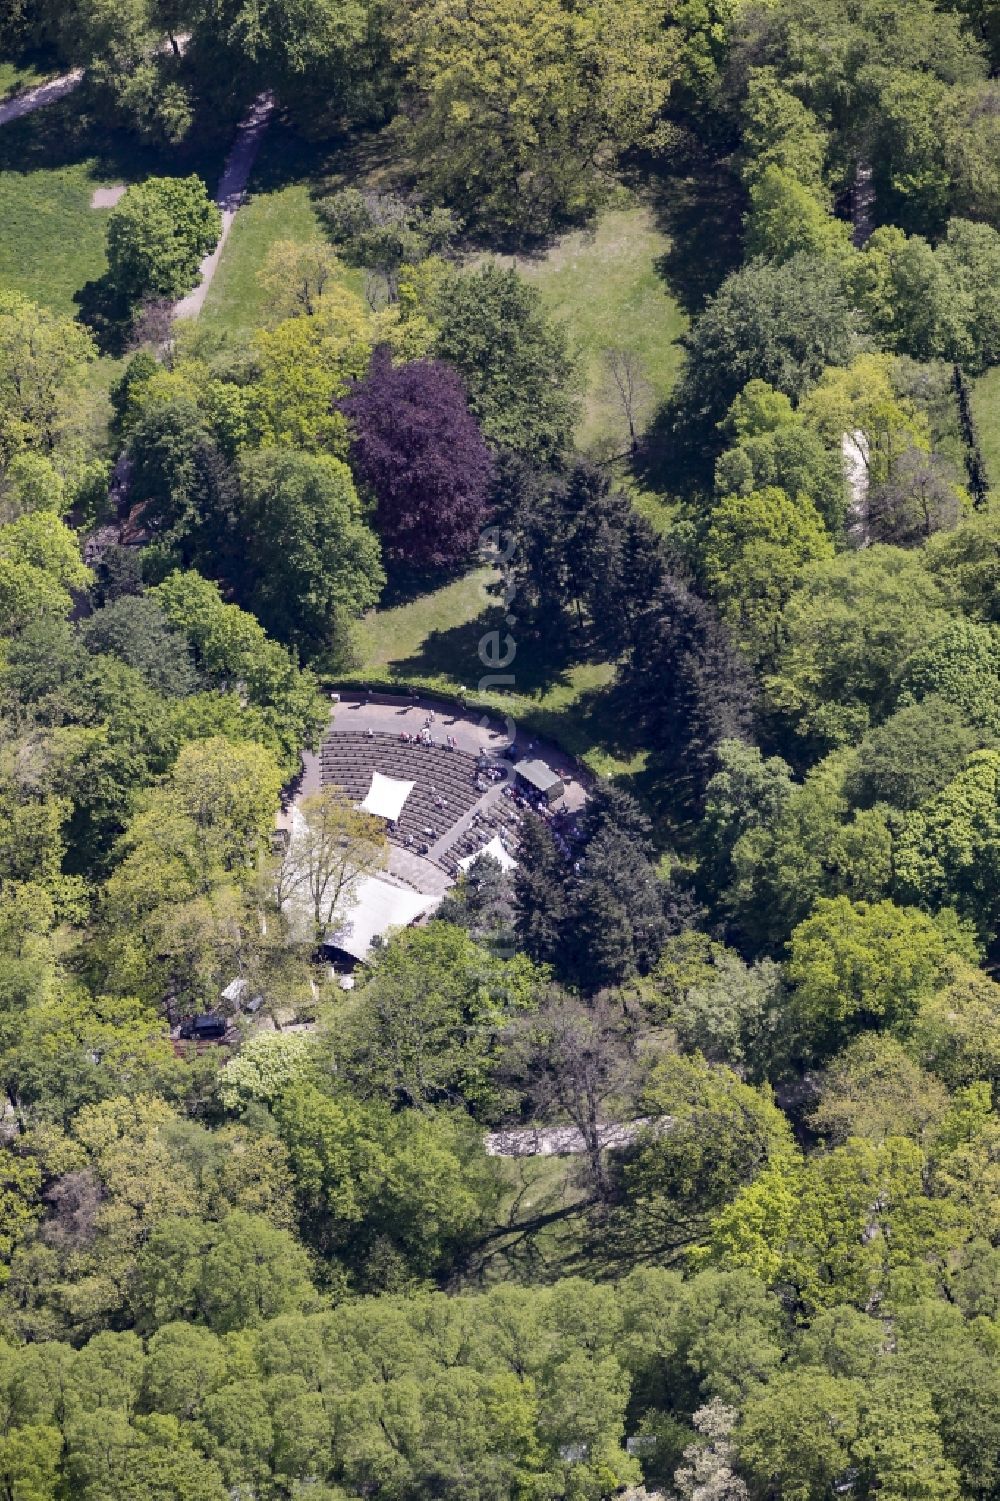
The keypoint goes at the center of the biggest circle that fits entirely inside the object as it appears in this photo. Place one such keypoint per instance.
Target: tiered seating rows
(501, 818)
(348, 758)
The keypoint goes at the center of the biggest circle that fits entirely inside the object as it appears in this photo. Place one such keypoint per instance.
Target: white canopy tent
(386, 797)
(494, 848)
(378, 906)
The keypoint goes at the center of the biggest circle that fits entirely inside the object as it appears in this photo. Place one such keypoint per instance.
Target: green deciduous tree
(304, 364)
(874, 1089)
(788, 218)
(858, 964)
(515, 360)
(948, 850)
(773, 446)
(912, 756)
(959, 663)
(230, 646)
(781, 324)
(718, 1135)
(756, 550)
(158, 235)
(313, 564)
(813, 847)
(848, 632)
(42, 357)
(429, 1020)
(515, 115)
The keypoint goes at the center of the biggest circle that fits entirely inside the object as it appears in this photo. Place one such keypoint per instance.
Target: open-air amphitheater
(466, 792)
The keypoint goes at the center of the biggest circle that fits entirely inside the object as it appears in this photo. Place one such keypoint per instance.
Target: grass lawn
(52, 241)
(986, 410)
(280, 207)
(605, 284)
(433, 641)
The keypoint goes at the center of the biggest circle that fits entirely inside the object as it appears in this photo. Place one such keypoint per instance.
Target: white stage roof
(494, 848)
(378, 906)
(386, 797)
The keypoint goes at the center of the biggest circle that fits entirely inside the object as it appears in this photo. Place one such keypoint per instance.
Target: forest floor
(541, 1230)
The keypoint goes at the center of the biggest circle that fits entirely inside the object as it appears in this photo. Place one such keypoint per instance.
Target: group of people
(562, 823)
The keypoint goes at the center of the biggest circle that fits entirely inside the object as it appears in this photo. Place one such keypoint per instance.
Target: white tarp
(377, 906)
(494, 848)
(386, 797)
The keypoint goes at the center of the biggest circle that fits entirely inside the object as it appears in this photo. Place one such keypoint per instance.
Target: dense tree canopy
(664, 1163)
(515, 113)
(419, 450)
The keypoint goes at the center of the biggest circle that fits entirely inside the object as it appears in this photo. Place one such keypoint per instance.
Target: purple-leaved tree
(417, 447)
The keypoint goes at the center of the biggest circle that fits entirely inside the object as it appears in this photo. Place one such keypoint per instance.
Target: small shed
(539, 778)
(204, 1028)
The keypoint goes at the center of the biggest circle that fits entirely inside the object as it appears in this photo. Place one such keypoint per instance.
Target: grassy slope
(280, 207)
(986, 409)
(604, 283)
(606, 286)
(433, 640)
(52, 241)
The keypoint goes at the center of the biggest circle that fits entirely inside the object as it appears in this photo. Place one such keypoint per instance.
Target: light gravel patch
(108, 197)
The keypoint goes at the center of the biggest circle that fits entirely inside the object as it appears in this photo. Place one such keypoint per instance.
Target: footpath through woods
(57, 88)
(569, 1141)
(231, 195)
(40, 95)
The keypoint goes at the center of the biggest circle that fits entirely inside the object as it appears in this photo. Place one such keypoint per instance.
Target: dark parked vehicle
(203, 1029)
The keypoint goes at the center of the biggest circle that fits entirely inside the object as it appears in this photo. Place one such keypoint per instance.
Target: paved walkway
(854, 449)
(418, 872)
(231, 195)
(40, 95)
(453, 835)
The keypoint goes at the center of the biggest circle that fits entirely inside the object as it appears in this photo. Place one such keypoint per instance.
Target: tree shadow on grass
(597, 719)
(71, 133)
(458, 653)
(103, 311)
(405, 584)
(703, 215)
